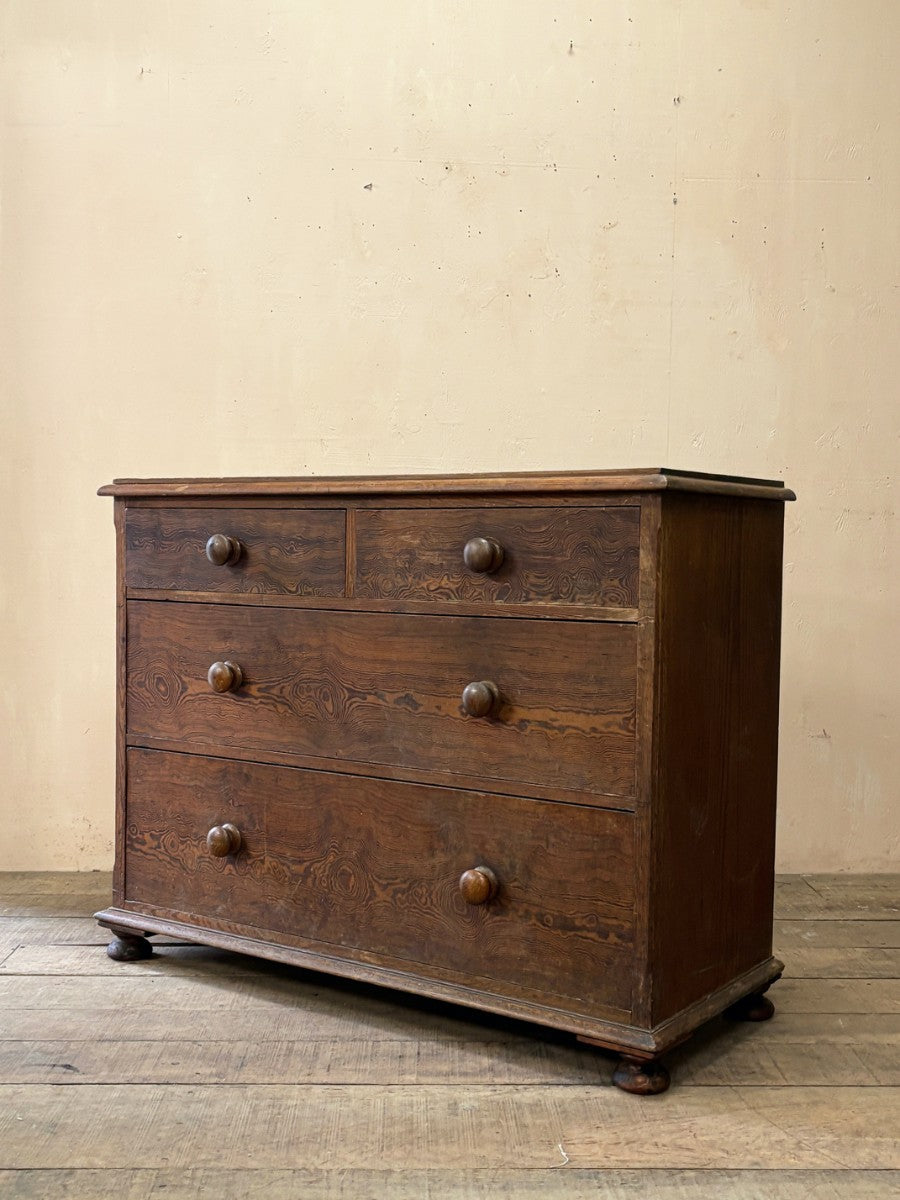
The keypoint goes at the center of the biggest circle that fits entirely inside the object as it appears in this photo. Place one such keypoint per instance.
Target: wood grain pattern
(563, 555)
(835, 897)
(500, 483)
(387, 689)
(326, 1183)
(376, 866)
(172, 988)
(406, 1127)
(714, 798)
(715, 1059)
(828, 934)
(294, 551)
(660, 721)
(166, 857)
(463, 1183)
(559, 612)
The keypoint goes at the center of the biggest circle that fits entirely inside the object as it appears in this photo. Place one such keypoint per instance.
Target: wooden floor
(205, 1074)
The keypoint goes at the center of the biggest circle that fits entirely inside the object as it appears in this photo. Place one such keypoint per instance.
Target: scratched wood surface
(305, 833)
(388, 690)
(567, 555)
(294, 552)
(205, 1074)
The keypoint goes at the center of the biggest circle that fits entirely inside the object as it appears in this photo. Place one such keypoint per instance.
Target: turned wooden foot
(128, 947)
(756, 1007)
(642, 1078)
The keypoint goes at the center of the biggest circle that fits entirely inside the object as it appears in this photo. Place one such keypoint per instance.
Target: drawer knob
(222, 550)
(480, 699)
(478, 885)
(223, 839)
(482, 555)
(225, 676)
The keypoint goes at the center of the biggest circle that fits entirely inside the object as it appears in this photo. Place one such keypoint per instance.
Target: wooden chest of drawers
(509, 741)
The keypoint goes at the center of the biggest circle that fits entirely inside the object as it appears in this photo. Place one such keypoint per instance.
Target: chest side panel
(713, 813)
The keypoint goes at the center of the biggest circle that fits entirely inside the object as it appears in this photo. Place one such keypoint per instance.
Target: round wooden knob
(222, 550)
(482, 555)
(223, 839)
(481, 698)
(225, 676)
(478, 885)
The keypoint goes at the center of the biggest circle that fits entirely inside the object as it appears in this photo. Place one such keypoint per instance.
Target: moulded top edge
(638, 479)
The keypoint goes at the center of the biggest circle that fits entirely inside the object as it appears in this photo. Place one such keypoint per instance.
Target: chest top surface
(638, 479)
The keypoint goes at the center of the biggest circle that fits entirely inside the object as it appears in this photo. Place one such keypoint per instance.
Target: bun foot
(641, 1078)
(129, 948)
(752, 1008)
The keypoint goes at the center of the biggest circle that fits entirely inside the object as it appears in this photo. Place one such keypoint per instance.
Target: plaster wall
(288, 238)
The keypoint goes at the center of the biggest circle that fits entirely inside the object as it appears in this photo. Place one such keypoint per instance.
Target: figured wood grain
(412, 1127)
(563, 555)
(293, 551)
(166, 855)
(387, 689)
(560, 612)
(663, 712)
(375, 865)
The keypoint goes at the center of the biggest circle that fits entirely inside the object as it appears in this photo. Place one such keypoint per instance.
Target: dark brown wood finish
(450, 608)
(388, 689)
(546, 555)
(376, 865)
(717, 685)
(638, 479)
(291, 552)
(605, 638)
(121, 694)
(172, 808)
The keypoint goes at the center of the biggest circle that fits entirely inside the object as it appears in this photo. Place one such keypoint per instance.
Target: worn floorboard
(572, 1183)
(206, 1074)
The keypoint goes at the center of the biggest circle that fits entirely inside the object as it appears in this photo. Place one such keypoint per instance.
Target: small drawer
(376, 868)
(291, 552)
(574, 556)
(412, 691)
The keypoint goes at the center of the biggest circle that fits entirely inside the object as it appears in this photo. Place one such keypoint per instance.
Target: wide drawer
(374, 866)
(291, 552)
(575, 556)
(381, 688)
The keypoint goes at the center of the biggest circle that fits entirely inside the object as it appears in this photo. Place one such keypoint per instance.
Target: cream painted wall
(262, 238)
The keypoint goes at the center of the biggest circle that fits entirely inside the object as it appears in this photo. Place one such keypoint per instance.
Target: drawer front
(291, 552)
(385, 688)
(374, 866)
(579, 556)
(171, 806)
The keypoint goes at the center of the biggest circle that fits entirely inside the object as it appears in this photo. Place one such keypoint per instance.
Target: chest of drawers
(508, 741)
